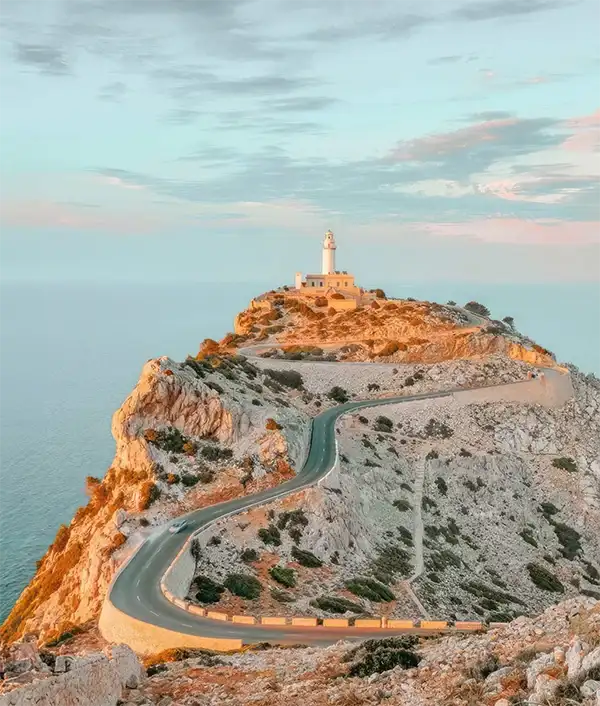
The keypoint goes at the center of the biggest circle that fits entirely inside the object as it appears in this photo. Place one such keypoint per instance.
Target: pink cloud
(520, 231)
(586, 135)
(451, 142)
(49, 214)
(117, 181)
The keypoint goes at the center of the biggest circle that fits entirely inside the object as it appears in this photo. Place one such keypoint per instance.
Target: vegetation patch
(370, 589)
(270, 535)
(306, 558)
(249, 555)
(437, 430)
(286, 577)
(207, 590)
(527, 535)
(569, 539)
(479, 589)
(287, 378)
(338, 394)
(544, 579)
(243, 585)
(334, 604)
(402, 505)
(565, 464)
(442, 486)
(376, 656)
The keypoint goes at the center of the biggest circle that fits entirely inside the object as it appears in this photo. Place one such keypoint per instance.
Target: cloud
(498, 9)
(475, 148)
(520, 231)
(122, 183)
(47, 59)
(586, 134)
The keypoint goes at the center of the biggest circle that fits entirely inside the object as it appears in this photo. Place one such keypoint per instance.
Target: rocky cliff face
(190, 434)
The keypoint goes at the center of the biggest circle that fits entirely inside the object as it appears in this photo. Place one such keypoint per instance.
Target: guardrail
(381, 623)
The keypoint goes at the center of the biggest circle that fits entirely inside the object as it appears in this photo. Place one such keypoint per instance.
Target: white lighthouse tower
(329, 248)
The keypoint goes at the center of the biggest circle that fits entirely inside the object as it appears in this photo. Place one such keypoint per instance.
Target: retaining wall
(553, 389)
(147, 639)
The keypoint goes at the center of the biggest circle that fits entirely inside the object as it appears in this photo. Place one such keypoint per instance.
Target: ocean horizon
(72, 352)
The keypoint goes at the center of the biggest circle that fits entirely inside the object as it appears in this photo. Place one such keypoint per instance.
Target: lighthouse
(329, 248)
(339, 284)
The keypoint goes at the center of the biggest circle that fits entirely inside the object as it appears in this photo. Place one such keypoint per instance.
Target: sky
(217, 140)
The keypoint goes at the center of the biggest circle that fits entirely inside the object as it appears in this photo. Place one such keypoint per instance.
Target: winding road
(136, 589)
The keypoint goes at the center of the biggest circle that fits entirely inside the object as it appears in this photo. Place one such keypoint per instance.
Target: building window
(338, 284)
(312, 284)
(345, 284)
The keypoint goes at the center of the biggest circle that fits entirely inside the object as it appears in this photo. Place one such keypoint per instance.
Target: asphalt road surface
(136, 590)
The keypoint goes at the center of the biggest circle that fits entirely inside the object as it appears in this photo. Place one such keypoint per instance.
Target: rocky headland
(450, 507)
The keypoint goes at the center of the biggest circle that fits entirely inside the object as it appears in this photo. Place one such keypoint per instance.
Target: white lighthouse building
(330, 281)
(329, 248)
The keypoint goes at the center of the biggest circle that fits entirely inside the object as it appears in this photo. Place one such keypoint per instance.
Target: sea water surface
(71, 353)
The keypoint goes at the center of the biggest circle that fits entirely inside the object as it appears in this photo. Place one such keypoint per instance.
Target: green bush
(333, 604)
(432, 455)
(288, 378)
(189, 480)
(465, 453)
(306, 558)
(442, 486)
(565, 464)
(548, 510)
(286, 577)
(249, 555)
(391, 560)
(375, 659)
(338, 394)
(270, 535)
(170, 440)
(212, 452)
(477, 308)
(402, 505)
(405, 536)
(207, 590)
(292, 518)
(243, 585)
(479, 589)
(384, 424)
(206, 475)
(544, 579)
(569, 538)
(427, 503)
(370, 589)
(437, 430)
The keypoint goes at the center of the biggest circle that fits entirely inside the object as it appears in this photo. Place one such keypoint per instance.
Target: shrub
(527, 535)
(402, 505)
(243, 585)
(441, 485)
(465, 453)
(212, 452)
(477, 588)
(438, 430)
(373, 386)
(286, 577)
(338, 394)
(149, 494)
(294, 517)
(432, 455)
(451, 303)
(544, 579)
(427, 503)
(379, 293)
(288, 378)
(370, 589)
(207, 590)
(249, 555)
(565, 464)
(270, 535)
(383, 424)
(171, 440)
(306, 558)
(333, 604)
(548, 509)
(477, 308)
(391, 560)
(272, 425)
(214, 386)
(569, 538)
(295, 534)
(382, 660)
(189, 480)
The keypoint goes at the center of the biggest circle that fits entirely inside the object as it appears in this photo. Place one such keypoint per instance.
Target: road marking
(139, 599)
(153, 613)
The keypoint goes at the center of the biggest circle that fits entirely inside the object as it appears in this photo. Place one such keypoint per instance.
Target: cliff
(189, 435)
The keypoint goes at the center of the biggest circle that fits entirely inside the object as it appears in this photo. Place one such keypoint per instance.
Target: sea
(70, 353)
